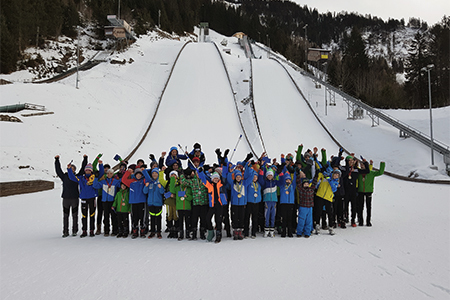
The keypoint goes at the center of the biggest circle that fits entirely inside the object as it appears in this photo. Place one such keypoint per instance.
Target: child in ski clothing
(196, 153)
(122, 208)
(70, 195)
(98, 204)
(365, 190)
(324, 197)
(216, 198)
(171, 207)
(350, 178)
(154, 189)
(287, 201)
(306, 202)
(269, 189)
(199, 203)
(183, 196)
(136, 182)
(253, 190)
(238, 199)
(174, 157)
(109, 187)
(87, 195)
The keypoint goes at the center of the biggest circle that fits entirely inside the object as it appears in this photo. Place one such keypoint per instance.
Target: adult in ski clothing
(87, 195)
(365, 190)
(306, 202)
(350, 178)
(287, 201)
(154, 189)
(269, 190)
(122, 208)
(253, 190)
(324, 197)
(109, 187)
(136, 182)
(183, 197)
(216, 199)
(196, 152)
(70, 195)
(307, 160)
(199, 203)
(338, 204)
(175, 157)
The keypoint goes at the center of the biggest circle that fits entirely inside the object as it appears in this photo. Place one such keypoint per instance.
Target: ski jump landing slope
(197, 106)
(285, 119)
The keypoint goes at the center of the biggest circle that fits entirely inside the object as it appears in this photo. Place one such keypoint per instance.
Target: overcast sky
(430, 11)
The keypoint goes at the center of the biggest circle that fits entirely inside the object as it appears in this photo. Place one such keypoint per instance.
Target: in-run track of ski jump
(284, 117)
(197, 96)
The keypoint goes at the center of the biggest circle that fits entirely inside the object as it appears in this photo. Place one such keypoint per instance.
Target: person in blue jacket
(109, 186)
(266, 179)
(253, 190)
(287, 202)
(196, 152)
(70, 195)
(155, 191)
(137, 199)
(174, 157)
(87, 195)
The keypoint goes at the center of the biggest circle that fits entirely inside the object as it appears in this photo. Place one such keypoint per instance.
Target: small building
(318, 55)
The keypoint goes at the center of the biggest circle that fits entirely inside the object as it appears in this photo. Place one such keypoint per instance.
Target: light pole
(306, 48)
(159, 19)
(428, 69)
(78, 54)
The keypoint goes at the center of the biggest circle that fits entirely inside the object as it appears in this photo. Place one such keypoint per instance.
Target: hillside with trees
(354, 66)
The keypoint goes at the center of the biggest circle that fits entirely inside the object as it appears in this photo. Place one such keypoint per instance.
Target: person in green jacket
(183, 196)
(123, 208)
(365, 190)
(307, 160)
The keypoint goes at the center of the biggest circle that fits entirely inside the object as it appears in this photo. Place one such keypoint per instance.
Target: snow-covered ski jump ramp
(193, 104)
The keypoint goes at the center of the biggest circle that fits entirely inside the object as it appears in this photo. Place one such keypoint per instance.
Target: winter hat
(123, 164)
(215, 175)
(307, 154)
(270, 172)
(173, 173)
(335, 161)
(287, 176)
(336, 172)
(289, 156)
(89, 167)
(240, 163)
(236, 173)
(107, 166)
(218, 170)
(197, 147)
(137, 171)
(196, 159)
(156, 170)
(132, 166)
(173, 148)
(110, 171)
(305, 180)
(349, 157)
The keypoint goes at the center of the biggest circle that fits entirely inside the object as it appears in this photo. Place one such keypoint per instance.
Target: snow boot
(202, 233)
(151, 235)
(181, 236)
(83, 234)
(218, 236)
(106, 234)
(228, 233)
(266, 232)
(74, 233)
(99, 229)
(235, 235)
(317, 229)
(119, 235)
(125, 235)
(193, 235)
(65, 234)
(283, 232)
(331, 231)
(240, 235)
(290, 233)
(143, 233)
(187, 234)
(134, 234)
(210, 235)
(159, 235)
(91, 233)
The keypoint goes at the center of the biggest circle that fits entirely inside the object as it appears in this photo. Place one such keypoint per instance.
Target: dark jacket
(70, 188)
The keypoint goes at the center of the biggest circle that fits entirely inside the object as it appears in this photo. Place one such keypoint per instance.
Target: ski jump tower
(203, 35)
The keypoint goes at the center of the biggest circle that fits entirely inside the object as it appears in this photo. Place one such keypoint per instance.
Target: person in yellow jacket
(325, 197)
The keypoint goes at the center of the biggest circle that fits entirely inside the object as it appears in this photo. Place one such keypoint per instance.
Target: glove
(249, 156)
(200, 169)
(152, 157)
(206, 167)
(218, 152)
(280, 168)
(226, 153)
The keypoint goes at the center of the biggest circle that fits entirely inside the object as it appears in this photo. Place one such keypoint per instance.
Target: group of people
(299, 195)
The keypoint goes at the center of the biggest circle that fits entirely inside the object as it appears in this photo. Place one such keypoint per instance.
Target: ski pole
(181, 148)
(235, 147)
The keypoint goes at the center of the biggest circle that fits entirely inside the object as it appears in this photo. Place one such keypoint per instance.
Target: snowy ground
(401, 257)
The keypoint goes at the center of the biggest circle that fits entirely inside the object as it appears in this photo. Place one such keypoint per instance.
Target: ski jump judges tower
(203, 35)
(120, 29)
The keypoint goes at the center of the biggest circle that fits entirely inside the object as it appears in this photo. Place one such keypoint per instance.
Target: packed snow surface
(405, 255)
